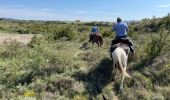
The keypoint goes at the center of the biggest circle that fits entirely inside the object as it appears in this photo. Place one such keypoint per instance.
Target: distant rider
(95, 30)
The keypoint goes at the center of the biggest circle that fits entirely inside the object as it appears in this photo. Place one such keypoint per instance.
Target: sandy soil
(24, 38)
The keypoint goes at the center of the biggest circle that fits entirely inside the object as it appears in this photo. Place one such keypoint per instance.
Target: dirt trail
(24, 38)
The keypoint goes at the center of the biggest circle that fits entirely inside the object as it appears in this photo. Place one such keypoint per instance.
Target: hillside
(61, 65)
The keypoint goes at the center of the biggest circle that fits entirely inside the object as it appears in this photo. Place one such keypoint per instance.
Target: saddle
(94, 34)
(113, 47)
(122, 40)
(116, 43)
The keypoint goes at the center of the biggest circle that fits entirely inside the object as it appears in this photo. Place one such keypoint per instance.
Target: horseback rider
(121, 30)
(95, 30)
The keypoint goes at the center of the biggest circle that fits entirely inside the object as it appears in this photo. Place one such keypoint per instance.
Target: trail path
(24, 38)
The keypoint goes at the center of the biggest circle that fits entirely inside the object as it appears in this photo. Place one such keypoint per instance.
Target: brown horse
(96, 39)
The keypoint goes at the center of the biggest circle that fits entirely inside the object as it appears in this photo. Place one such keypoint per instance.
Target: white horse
(120, 58)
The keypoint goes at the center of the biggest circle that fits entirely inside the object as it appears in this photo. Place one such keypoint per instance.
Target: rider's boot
(132, 50)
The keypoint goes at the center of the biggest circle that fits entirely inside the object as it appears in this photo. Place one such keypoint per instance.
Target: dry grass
(24, 38)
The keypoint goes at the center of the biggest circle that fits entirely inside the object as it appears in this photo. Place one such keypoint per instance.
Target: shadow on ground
(97, 78)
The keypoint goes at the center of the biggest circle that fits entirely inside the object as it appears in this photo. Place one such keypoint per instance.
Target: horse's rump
(120, 60)
(96, 38)
(124, 46)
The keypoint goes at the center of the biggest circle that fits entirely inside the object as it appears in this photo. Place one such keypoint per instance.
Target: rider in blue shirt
(121, 30)
(95, 30)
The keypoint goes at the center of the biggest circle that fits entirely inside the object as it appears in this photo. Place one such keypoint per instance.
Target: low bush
(64, 31)
(158, 43)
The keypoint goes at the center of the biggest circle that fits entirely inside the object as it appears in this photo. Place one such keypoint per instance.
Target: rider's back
(95, 29)
(121, 29)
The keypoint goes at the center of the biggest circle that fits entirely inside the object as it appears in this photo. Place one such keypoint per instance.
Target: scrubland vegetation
(61, 64)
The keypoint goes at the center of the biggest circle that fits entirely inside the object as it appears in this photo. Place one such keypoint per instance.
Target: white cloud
(77, 11)
(164, 5)
(20, 12)
(11, 6)
(23, 12)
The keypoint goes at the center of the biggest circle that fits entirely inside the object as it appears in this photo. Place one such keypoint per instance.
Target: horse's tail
(90, 37)
(122, 64)
(101, 40)
(122, 70)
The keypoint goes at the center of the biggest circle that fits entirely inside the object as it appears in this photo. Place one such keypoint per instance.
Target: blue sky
(84, 10)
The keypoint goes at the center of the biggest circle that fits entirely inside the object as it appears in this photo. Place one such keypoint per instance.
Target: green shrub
(11, 49)
(64, 31)
(83, 29)
(157, 44)
(36, 41)
(21, 31)
(107, 33)
(83, 37)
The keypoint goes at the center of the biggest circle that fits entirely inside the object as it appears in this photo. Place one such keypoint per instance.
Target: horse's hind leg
(99, 44)
(93, 43)
(114, 72)
(121, 85)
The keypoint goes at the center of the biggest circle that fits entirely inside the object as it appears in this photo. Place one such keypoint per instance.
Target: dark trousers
(122, 39)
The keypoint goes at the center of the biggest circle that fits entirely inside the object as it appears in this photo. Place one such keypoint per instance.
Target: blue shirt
(121, 29)
(95, 29)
